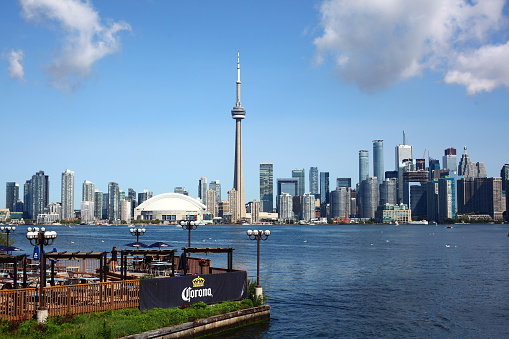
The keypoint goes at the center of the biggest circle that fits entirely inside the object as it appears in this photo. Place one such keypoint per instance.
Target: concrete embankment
(210, 325)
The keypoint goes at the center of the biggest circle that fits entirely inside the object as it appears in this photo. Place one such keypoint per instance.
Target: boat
(417, 222)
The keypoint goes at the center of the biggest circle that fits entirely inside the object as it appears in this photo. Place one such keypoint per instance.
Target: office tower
(297, 206)
(432, 200)
(88, 191)
(446, 198)
(215, 185)
(340, 203)
(481, 196)
(113, 202)
(38, 194)
(18, 206)
(378, 160)
(420, 164)
(144, 196)
(202, 189)
(232, 199)
(98, 204)
(87, 211)
(125, 210)
(121, 195)
(363, 165)
(449, 159)
(224, 208)
(434, 165)
(288, 185)
(131, 196)
(466, 167)
(418, 200)
(403, 157)
(211, 202)
(344, 182)
(313, 181)
(481, 169)
(179, 190)
(300, 174)
(324, 193)
(388, 191)
(369, 197)
(391, 174)
(285, 207)
(11, 195)
(266, 187)
(255, 211)
(238, 113)
(504, 174)
(67, 190)
(308, 207)
(106, 202)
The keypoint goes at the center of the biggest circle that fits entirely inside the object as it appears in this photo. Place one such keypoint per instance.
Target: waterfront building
(378, 160)
(11, 195)
(287, 185)
(432, 200)
(88, 191)
(18, 207)
(388, 191)
(67, 190)
(504, 174)
(36, 195)
(211, 202)
(285, 207)
(105, 207)
(232, 199)
(87, 211)
(238, 114)
(215, 185)
(171, 207)
(363, 165)
(266, 187)
(98, 204)
(113, 202)
(340, 203)
(391, 213)
(125, 210)
(224, 208)
(54, 208)
(300, 175)
(47, 219)
(418, 200)
(324, 193)
(255, 211)
(481, 196)
(370, 197)
(446, 198)
(308, 207)
(313, 181)
(344, 182)
(202, 189)
(449, 159)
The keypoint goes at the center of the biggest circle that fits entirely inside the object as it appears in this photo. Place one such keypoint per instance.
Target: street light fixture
(258, 235)
(41, 237)
(137, 231)
(189, 225)
(7, 230)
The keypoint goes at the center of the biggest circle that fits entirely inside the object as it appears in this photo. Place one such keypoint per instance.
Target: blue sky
(140, 92)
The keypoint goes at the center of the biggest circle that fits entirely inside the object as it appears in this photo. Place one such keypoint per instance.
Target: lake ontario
(349, 281)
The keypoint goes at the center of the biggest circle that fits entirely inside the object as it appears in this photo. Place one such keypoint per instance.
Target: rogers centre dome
(170, 207)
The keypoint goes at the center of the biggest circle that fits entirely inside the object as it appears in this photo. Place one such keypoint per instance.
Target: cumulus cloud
(15, 58)
(375, 43)
(86, 39)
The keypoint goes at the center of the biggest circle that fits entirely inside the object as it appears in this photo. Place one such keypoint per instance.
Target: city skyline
(161, 90)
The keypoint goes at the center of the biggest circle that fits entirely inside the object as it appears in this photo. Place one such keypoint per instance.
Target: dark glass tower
(266, 187)
(313, 181)
(299, 174)
(378, 160)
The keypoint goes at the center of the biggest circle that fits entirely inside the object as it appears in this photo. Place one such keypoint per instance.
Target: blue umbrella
(37, 253)
(159, 244)
(136, 244)
(9, 248)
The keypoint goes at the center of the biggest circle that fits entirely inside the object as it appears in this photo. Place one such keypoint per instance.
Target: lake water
(351, 281)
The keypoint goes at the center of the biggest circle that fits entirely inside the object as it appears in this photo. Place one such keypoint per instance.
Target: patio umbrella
(159, 244)
(136, 244)
(9, 248)
(37, 254)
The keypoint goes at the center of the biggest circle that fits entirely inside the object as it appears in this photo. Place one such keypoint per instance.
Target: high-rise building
(179, 190)
(38, 194)
(211, 202)
(106, 206)
(238, 114)
(98, 204)
(378, 160)
(481, 195)
(308, 206)
(144, 196)
(324, 193)
(113, 202)
(87, 211)
(432, 200)
(11, 195)
(215, 185)
(369, 197)
(202, 189)
(434, 165)
(340, 203)
(313, 181)
(300, 174)
(88, 191)
(344, 182)
(418, 200)
(266, 187)
(232, 199)
(466, 167)
(285, 207)
(131, 196)
(125, 210)
(388, 191)
(446, 198)
(504, 174)
(288, 185)
(363, 165)
(449, 159)
(403, 163)
(67, 194)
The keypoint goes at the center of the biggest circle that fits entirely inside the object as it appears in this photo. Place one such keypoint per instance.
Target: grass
(115, 324)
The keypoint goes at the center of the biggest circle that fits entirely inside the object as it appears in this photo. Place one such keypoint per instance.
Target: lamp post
(189, 225)
(258, 235)
(7, 230)
(137, 231)
(41, 237)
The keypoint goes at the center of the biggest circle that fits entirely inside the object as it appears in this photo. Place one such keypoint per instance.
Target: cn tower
(239, 113)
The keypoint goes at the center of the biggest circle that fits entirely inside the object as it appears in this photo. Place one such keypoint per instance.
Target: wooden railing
(20, 304)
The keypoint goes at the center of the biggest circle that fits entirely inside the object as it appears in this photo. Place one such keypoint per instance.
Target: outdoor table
(157, 266)
(88, 279)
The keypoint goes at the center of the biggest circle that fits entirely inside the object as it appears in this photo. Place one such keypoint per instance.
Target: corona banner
(208, 288)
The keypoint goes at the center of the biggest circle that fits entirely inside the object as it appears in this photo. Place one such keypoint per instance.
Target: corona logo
(198, 282)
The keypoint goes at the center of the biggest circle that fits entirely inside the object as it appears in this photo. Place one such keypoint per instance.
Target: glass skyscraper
(299, 174)
(266, 187)
(11, 195)
(324, 193)
(363, 165)
(313, 181)
(378, 160)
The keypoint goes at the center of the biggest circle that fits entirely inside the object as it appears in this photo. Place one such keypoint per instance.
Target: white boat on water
(418, 222)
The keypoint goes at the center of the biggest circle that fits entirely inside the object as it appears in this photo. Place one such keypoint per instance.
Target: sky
(140, 92)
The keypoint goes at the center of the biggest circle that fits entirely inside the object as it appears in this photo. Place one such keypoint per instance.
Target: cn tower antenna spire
(238, 104)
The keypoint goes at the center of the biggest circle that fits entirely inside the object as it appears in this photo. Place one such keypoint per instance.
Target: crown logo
(198, 282)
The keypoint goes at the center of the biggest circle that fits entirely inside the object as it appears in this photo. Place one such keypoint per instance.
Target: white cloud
(15, 68)
(376, 43)
(86, 39)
